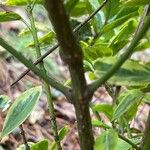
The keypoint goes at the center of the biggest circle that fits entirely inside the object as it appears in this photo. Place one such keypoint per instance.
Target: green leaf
(116, 47)
(88, 66)
(21, 2)
(146, 98)
(112, 8)
(70, 4)
(126, 101)
(143, 44)
(79, 9)
(117, 22)
(130, 114)
(9, 16)
(92, 76)
(131, 73)
(42, 145)
(62, 133)
(126, 10)
(99, 49)
(39, 26)
(123, 35)
(44, 40)
(20, 109)
(4, 102)
(24, 32)
(123, 145)
(136, 2)
(106, 141)
(98, 123)
(67, 82)
(104, 108)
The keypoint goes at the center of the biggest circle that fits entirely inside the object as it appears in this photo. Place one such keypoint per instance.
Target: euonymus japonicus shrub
(95, 37)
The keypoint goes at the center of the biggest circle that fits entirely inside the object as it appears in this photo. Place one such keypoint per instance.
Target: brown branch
(71, 54)
(57, 45)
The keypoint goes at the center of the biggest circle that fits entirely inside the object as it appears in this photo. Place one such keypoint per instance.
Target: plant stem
(71, 54)
(45, 85)
(24, 137)
(137, 37)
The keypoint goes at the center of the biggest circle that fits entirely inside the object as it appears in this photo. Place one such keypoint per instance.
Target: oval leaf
(62, 133)
(98, 123)
(131, 73)
(20, 109)
(118, 22)
(106, 141)
(123, 145)
(9, 16)
(127, 100)
(79, 9)
(44, 40)
(42, 145)
(104, 108)
(123, 35)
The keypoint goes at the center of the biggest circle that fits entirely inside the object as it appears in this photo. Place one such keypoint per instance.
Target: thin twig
(40, 59)
(45, 84)
(24, 137)
(90, 17)
(35, 63)
(145, 11)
